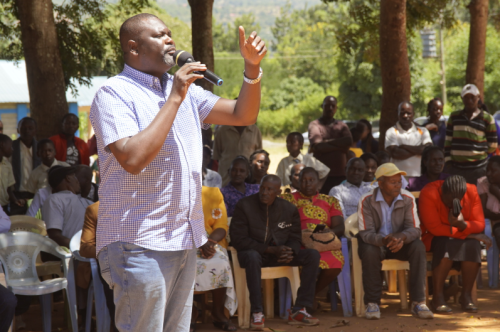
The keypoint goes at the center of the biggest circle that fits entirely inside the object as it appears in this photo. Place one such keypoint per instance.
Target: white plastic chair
(103, 319)
(22, 223)
(18, 252)
(268, 274)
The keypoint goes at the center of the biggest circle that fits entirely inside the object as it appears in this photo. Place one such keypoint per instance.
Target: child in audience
(488, 188)
(70, 148)
(46, 150)
(294, 144)
(7, 180)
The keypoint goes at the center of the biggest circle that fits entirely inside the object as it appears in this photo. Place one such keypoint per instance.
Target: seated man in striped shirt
(471, 135)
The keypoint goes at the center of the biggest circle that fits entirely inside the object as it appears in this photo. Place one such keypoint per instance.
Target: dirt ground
(393, 319)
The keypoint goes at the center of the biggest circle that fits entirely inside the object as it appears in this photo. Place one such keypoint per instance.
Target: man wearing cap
(389, 228)
(470, 136)
(64, 210)
(405, 142)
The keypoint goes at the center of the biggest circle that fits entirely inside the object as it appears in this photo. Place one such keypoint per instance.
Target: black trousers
(8, 304)
(371, 259)
(252, 261)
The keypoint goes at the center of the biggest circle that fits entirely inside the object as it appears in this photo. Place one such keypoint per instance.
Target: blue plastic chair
(492, 256)
(344, 280)
(103, 320)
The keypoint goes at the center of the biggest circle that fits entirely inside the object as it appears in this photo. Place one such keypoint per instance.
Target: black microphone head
(181, 57)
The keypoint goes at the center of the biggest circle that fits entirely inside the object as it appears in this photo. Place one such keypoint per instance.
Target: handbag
(320, 241)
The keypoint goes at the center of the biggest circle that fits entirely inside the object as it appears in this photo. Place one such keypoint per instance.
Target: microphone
(183, 57)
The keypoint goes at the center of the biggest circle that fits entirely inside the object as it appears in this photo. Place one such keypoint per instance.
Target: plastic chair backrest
(351, 226)
(18, 253)
(74, 244)
(27, 224)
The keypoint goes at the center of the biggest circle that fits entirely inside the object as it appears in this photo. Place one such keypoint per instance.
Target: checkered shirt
(160, 208)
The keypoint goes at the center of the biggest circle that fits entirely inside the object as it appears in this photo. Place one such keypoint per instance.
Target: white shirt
(26, 165)
(349, 195)
(40, 197)
(414, 136)
(285, 167)
(65, 211)
(38, 178)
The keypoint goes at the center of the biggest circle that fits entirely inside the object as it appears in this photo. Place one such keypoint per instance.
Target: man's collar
(350, 185)
(146, 79)
(380, 197)
(480, 115)
(299, 157)
(411, 129)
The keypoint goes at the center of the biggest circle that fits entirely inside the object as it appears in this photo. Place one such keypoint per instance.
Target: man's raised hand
(252, 49)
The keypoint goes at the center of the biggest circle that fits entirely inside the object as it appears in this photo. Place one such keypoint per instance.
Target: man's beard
(168, 60)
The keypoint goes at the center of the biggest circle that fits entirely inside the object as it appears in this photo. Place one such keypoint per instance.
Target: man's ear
(133, 47)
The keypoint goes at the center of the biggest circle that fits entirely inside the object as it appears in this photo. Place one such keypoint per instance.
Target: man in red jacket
(69, 148)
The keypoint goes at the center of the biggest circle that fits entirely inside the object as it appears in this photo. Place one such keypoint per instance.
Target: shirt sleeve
(281, 171)
(222, 221)
(482, 186)
(448, 139)
(88, 240)
(390, 137)
(112, 117)
(336, 209)
(52, 212)
(426, 136)
(4, 221)
(205, 102)
(35, 205)
(259, 139)
(321, 168)
(314, 133)
(31, 185)
(491, 134)
(335, 192)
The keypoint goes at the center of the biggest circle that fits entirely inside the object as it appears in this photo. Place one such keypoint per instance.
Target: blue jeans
(152, 290)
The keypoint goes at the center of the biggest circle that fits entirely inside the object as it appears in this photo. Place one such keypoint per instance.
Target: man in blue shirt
(148, 127)
(389, 228)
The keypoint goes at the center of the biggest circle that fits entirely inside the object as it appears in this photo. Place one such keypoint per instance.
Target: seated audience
(389, 228)
(237, 188)
(355, 151)
(488, 188)
(471, 135)
(24, 161)
(46, 151)
(210, 178)
(64, 210)
(294, 179)
(213, 262)
(431, 168)
(88, 250)
(69, 148)
(436, 127)
(318, 209)
(371, 165)
(367, 143)
(294, 144)
(8, 300)
(452, 237)
(259, 164)
(88, 189)
(7, 180)
(349, 193)
(405, 142)
(277, 244)
(383, 157)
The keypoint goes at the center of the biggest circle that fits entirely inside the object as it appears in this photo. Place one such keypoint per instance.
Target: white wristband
(254, 81)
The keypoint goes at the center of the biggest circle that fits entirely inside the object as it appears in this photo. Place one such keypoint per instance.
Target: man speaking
(148, 128)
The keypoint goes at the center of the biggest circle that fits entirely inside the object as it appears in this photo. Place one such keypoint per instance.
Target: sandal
(225, 326)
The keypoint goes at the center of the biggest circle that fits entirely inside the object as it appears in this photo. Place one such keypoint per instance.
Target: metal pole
(443, 73)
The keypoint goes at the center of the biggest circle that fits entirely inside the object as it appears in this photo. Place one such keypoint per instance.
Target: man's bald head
(131, 29)
(272, 179)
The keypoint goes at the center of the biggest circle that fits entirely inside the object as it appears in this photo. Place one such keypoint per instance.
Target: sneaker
(420, 310)
(257, 321)
(372, 311)
(301, 317)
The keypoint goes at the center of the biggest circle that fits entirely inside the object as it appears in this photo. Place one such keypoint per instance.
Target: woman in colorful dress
(319, 209)
(213, 271)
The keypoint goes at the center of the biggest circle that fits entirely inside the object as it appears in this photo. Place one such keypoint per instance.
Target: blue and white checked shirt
(159, 208)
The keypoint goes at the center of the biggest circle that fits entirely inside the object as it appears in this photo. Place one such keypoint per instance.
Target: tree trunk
(477, 44)
(201, 29)
(43, 65)
(395, 67)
